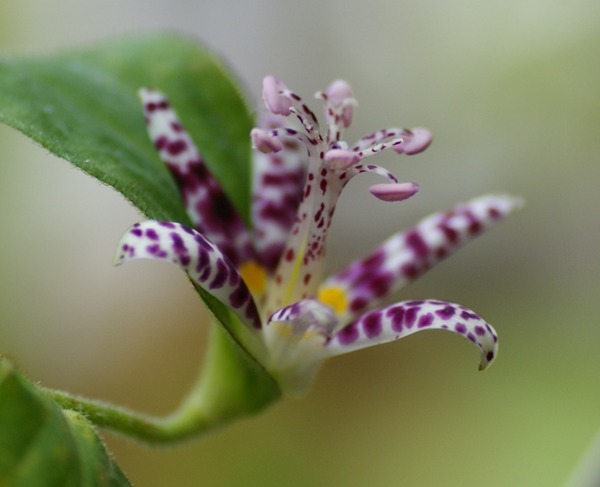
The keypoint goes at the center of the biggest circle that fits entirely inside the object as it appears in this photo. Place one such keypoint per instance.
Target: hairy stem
(230, 386)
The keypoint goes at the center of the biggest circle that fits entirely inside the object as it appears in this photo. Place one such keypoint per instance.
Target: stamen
(264, 141)
(331, 164)
(379, 136)
(395, 144)
(370, 168)
(418, 140)
(339, 94)
(394, 192)
(308, 120)
(273, 96)
(340, 159)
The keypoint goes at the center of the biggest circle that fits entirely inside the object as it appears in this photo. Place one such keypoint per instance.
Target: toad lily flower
(290, 318)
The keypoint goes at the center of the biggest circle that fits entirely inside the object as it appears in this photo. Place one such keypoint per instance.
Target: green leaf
(83, 107)
(41, 445)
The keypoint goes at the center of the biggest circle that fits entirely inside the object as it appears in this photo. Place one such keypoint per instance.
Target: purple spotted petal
(278, 184)
(199, 258)
(407, 255)
(403, 319)
(209, 208)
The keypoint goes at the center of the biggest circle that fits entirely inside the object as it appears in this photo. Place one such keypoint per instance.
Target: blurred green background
(511, 91)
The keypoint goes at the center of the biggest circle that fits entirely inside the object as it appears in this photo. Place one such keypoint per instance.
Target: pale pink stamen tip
(418, 142)
(394, 191)
(265, 142)
(339, 159)
(273, 97)
(338, 91)
(339, 94)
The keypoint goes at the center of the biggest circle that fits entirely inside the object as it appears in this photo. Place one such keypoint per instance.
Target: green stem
(231, 385)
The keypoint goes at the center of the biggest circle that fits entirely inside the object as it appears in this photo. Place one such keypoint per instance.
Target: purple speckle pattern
(370, 168)
(209, 208)
(202, 260)
(277, 189)
(407, 255)
(298, 178)
(403, 319)
(330, 164)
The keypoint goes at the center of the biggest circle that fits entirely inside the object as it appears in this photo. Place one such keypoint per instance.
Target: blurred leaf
(83, 107)
(41, 445)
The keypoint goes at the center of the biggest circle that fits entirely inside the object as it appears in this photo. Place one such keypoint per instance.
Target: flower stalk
(230, 386)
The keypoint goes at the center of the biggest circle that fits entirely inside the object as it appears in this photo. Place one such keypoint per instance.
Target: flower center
(334, 297)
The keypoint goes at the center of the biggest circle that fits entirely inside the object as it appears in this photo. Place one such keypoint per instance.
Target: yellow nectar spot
(334, 297)
(284, 330)
(254, 276)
